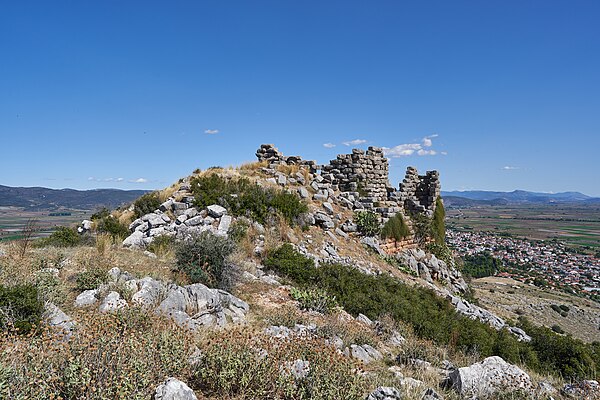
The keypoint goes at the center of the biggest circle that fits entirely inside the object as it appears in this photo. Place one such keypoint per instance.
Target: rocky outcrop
(489, 377)
(193, 306)
(174, 389)
(431, 268)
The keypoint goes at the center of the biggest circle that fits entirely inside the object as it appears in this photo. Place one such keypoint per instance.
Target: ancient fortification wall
(362, 178)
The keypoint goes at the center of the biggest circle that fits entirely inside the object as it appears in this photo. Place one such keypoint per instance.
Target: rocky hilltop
(281, 278)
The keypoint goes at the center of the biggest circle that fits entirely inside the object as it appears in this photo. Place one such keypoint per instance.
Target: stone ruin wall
(364, 176)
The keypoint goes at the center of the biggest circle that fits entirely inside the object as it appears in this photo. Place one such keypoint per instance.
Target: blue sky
(497, 95)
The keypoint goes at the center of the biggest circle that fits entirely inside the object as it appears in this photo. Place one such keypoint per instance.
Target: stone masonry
(361, 179)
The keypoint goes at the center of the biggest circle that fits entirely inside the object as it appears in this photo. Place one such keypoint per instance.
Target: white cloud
(510, 168)
(211, 131)
(93, 179)
(354, 142)
(408, 149)
(139, 180)
(329, 145)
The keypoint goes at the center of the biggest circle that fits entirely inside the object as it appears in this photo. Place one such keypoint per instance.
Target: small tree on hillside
(438, 224)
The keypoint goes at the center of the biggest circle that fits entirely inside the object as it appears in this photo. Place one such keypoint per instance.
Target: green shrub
(91, 278)
(244, 198)
(438, 224)
(20, 308)
(146, 204)
(112, 226)
(289, 262)
(557, 329)
(62, 237)
(313, 300)
(395, 228)
(238, 230)
(102, 213)
(50, 287)
(203, 258)
(367, 223)
(564, 308)
(481, 265)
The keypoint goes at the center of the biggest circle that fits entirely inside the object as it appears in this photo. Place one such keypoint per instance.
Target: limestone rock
(86, 298)
(491, 376)
(56, 318)
(216, 211)
(384, 393)
(174, 389)
(136, 239)
(112, 302)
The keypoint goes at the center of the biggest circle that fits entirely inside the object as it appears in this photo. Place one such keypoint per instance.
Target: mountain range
(482, 197)
(40, 198)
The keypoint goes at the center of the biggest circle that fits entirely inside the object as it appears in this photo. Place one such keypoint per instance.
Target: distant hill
(39, 198)
(482, 197)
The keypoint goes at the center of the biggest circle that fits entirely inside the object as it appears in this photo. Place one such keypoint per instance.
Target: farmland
(575, 225)
(14, 219)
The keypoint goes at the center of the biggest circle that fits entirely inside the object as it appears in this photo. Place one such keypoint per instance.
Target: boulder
(216, 211)
(224, 225)
(365, 353)
(86, 298)
(56, 318)
(584, 390)
(196, 306)
(488, 378)
(112, 302)
(384, 393)
(136, 239)
(303, 192)
(174, 389)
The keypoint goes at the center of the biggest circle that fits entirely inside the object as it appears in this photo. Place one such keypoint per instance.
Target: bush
(244, 365)
(314, 300)
(395, 228)
(91, 278)
(289, 262)
(481, 265)
(244, 198)
(112, 226)
(367, 223)
(102, 213)
(62, 237)
(557, 329)
(438, 223)
(146, 204)
(20, 308)
(203, 258)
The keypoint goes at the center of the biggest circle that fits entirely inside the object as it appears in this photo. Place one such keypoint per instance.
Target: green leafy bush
(62, 237)
(20, 307)
(112, 226)
(203, 258)
(395, 228)
(244, 198)
(557, 329)
(481, 265)
(438, 224)
(102, 213)
(91, 278)
(146, 204)
(313, 300)
(288, 261)
(367, 223)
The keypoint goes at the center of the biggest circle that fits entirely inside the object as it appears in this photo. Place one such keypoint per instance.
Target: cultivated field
(574, 225)
(14, 219)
